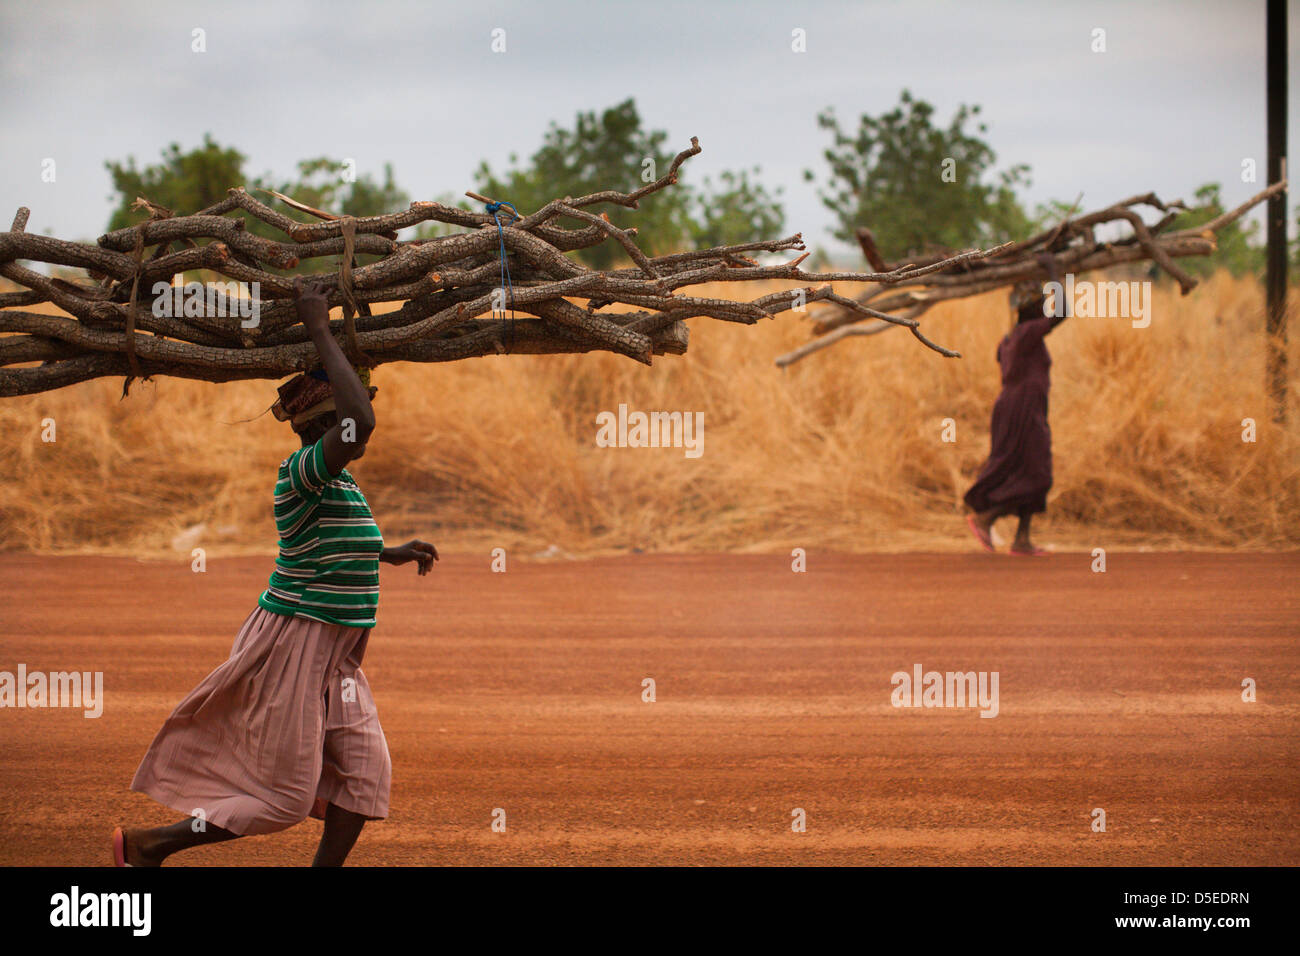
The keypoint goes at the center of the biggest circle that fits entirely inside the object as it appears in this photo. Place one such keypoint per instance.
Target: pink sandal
(119, 847)
(985, 541)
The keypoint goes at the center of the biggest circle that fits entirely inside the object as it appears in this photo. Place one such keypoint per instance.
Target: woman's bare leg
(1022, 542)
(342, 827)
(985, 519)
(151, 847)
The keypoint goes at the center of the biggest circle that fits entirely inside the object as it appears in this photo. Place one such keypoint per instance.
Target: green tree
(184, 182)
(918, 186)
(321, 184)
(735, 211)
(611, 150)
(1238, 250)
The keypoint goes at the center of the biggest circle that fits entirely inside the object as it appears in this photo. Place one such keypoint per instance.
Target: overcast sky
(1176, 100)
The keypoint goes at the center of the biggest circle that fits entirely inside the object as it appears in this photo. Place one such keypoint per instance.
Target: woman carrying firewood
(287, 727)
(1018, 473)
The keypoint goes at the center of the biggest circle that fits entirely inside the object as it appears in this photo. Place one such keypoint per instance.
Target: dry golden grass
(841, 451)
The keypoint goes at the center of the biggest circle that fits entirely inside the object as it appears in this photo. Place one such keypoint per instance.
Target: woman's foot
(1027, 549)
(137, 848)
(1021, 546)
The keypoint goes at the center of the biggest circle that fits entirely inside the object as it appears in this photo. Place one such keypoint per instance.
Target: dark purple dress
(1018, 473)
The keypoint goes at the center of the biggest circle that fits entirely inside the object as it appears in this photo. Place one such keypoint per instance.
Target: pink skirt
(284, 727)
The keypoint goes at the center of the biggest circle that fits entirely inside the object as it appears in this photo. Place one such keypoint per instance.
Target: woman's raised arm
(356, 417)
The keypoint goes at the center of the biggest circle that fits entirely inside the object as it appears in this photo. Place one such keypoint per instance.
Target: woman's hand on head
(419, 551)
(312, 303)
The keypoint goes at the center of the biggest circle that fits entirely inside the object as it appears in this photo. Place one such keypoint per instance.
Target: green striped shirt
(328, 568)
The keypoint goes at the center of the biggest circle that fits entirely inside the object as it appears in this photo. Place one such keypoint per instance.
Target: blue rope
(493, 208)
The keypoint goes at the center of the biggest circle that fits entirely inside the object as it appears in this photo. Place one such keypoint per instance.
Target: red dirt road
(522, 691)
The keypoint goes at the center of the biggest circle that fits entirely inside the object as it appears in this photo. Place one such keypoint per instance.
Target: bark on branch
(121, 318)
(1073, 241)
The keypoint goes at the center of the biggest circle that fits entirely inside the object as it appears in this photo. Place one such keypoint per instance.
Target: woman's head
(1027, 292)
(314, 429)
(306, 402)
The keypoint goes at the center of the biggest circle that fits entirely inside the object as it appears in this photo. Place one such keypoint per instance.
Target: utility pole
(1275, 325)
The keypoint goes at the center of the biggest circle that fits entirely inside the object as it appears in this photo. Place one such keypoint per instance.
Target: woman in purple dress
(1018, 473)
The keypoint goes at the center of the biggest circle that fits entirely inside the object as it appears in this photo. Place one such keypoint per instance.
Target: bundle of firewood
(501, 285)
(1073, 241)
